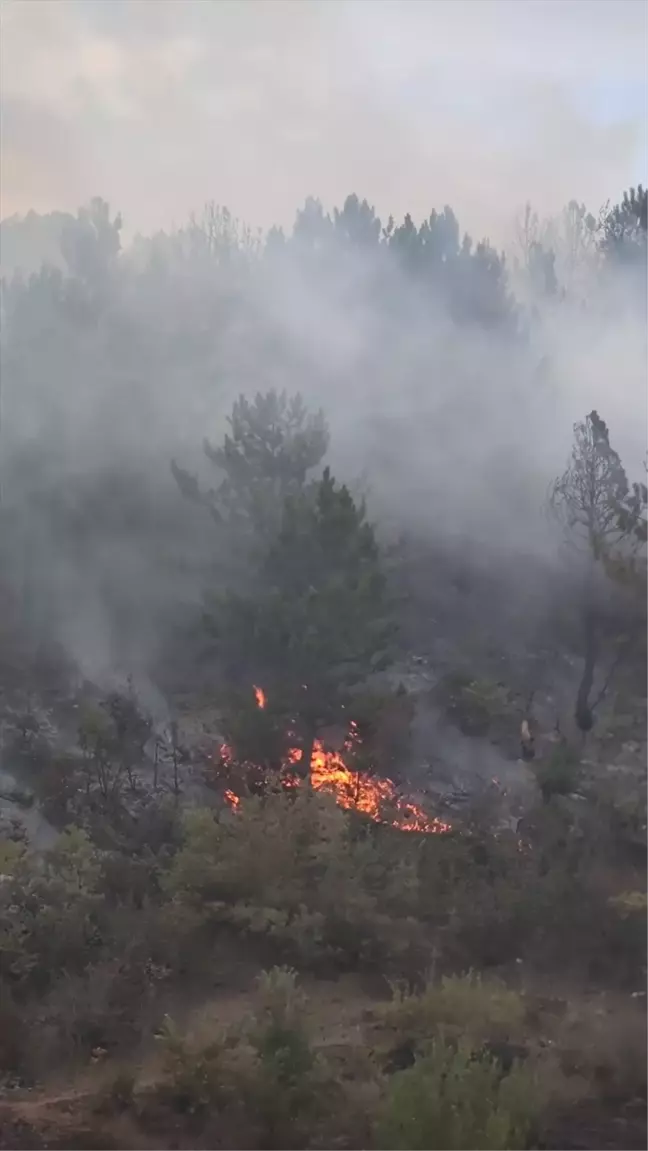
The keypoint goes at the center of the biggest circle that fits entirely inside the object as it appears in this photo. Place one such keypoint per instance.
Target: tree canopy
(591, 497)
(320, 623)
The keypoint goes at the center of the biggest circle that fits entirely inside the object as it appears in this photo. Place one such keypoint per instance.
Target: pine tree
(321, 623)
(272, 445)
(605, 521)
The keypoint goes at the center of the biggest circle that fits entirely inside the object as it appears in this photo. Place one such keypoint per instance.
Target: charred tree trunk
(583, 713)
(308, 745)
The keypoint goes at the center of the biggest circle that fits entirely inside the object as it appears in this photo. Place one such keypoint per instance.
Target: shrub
(50, 915)
(300, 871)
(30, 741)
(605, 1047)
(474, 705)
(196, 1080)
(277, 1029)
(454, 1098)
(102, 1008)
(262, 1073)
(560, 774)
(121, 1089)
(286, 1089)
(467, 1005)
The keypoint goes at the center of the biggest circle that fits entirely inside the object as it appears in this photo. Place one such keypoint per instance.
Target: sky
(160, 106)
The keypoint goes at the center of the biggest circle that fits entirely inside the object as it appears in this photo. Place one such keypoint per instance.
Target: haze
(453, 396)
(257, 104)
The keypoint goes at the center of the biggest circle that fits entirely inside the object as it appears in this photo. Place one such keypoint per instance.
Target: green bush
(287, 1090)
(300, 871)
(50, 913)
(454, 1098)
(276, 1030)
(560, 774)
(474, 705)
(459, 1006)
(262, 1073)
(194, 1080)
(121, 1089)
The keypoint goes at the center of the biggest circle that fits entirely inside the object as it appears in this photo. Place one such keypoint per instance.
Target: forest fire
(232, 798)
(376, 796)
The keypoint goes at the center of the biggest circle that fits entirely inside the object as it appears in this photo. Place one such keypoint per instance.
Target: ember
(375, 796)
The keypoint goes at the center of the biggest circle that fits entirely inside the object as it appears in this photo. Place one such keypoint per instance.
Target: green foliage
(276, 1030)
(455, 1098)
(291, 869)
(320, 622)
(30, 742)
(626, 565)
(382, 722)
(112, 737)
(274, 442)
(264, 1065)
(560, 773)
(197, 1079)
(90, 244)
(466, 1006)
(121, 1089)
(132, 728)
(30, 241)
(89, 1013)
(625, 229)
(286, 1090)
(74, 861)
(12, 855)
(98, 742)
(438, 261)
(590, 495)
(475, 705)
(86, 933)
(606, 521)
(259, 737)
(49, 917)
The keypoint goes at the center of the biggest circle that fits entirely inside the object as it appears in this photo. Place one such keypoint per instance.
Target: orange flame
(358, 790)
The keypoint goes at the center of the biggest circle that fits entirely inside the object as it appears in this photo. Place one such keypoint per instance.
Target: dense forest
(323, 682)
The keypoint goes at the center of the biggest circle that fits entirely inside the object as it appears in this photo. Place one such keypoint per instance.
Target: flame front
(376, 796)
(373, 795)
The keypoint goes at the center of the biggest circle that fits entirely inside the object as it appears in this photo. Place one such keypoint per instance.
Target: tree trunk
(583, 712)
(308, 743)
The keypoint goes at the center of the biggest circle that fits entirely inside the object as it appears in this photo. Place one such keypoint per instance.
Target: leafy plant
(459, 1005)
(560, 773)
(473, 704)
(454, 1099)
(197, 1079)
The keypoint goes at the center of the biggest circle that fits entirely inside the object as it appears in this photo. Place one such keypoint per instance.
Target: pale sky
(161, 105)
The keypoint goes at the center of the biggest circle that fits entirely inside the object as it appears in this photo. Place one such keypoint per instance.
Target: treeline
(113, 360)
(458, 270)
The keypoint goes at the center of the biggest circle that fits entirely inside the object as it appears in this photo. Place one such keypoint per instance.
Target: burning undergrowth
(334, 772)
